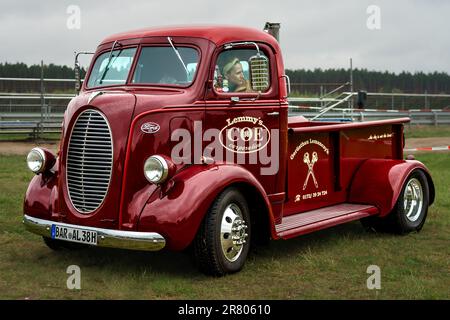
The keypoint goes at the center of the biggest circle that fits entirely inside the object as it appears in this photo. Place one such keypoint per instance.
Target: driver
(234, 73)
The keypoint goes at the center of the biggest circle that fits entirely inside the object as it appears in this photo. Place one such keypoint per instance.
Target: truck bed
(324, 156)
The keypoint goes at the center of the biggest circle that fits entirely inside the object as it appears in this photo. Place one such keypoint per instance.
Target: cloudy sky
(410, 35)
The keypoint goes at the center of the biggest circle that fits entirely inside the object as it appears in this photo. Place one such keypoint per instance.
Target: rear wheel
(410, 211)
(223, 240)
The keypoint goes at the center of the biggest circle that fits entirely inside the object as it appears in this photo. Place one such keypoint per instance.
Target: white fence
(36, 113)
(35, 125)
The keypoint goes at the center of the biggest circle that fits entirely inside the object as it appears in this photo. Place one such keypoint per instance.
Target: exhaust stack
(273, 28)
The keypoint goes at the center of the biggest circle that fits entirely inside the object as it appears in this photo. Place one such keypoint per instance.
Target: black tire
(209, 253)
(374, 224)
(398, 221)
(58, 245)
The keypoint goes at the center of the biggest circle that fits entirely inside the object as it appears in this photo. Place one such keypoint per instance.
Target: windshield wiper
(109, 62)
(178, 55)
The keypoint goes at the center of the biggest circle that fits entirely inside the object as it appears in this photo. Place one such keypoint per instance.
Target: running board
(310, 221)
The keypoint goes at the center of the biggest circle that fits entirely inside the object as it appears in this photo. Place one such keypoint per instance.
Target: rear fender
(177, 208)
(379, 182)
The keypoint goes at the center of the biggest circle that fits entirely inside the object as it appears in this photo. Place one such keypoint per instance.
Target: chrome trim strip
(133, 240)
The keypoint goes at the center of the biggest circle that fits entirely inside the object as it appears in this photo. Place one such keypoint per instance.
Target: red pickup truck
(180, 137)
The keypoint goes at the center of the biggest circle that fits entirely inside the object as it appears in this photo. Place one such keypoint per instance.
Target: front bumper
(149, 241)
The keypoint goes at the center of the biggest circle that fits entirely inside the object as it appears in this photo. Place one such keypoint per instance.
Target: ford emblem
(150, 127)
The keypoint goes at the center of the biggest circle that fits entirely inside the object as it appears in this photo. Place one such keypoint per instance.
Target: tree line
(371, 81)
(50, 71)
(305, 81)
(318, 82)
(22, 70)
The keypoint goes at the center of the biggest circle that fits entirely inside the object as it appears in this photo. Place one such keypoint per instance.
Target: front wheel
(223, 240)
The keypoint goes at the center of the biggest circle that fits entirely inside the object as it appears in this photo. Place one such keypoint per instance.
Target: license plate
(74, 234)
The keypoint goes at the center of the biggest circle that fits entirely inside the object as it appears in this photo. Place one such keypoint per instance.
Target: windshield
(161, 65)
(111, 71)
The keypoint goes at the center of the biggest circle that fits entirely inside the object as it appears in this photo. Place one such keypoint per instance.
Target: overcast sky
(410, 35)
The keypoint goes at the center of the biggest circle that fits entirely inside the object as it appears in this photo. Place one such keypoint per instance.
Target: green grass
(329, 264)
(421, 131)
(26, 137)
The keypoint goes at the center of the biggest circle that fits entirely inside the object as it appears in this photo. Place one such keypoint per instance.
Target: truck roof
(219, 34)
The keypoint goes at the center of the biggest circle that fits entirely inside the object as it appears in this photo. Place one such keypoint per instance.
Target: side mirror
(78, 71)
(259, 73)
(77, 77)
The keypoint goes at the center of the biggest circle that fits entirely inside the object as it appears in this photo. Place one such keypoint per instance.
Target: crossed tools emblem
(310, 164)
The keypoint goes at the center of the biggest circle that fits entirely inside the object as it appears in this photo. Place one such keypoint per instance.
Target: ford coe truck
(180, 138)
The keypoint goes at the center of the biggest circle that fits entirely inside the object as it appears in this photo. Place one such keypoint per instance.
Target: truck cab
(180, 138)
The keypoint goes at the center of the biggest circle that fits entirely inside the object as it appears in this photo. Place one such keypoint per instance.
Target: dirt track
(427, 142)
(22, 148)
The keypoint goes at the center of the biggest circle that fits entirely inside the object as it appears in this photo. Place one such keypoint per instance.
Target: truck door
(245, 120)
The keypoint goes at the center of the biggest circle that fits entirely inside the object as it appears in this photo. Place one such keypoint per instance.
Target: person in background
(234, 74)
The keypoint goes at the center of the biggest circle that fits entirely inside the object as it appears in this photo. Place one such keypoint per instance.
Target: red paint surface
(351, 166)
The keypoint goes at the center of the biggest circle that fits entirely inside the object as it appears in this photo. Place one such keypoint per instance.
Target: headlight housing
(156, 169)
(36, 160)
(41, 160)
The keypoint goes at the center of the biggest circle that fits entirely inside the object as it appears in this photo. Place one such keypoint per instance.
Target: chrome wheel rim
(233, 233)
(413, 200)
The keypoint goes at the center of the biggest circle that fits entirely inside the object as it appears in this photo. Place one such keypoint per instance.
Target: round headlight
(156, 169)
(36, 160)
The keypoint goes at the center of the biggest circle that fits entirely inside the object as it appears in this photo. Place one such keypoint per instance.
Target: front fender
(177, 209)
(379, 182)
(41, 196)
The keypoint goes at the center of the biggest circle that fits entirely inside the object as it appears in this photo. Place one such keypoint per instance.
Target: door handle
(275, 113)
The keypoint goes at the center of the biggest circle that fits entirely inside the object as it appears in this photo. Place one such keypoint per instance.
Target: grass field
(421, 131)
(26, 137)
(330, 264)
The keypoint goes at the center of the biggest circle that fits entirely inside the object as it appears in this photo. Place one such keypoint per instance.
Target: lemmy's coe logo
(244, 135)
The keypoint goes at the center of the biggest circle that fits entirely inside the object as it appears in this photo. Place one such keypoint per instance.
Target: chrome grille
(89, 161)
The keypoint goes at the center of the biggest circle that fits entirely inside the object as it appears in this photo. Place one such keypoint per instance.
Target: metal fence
(417, 117)
(37, 113)
(34, 126)
(378, 100)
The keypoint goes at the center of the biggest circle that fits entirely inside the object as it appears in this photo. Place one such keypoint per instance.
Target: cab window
(233, 72)
(161, 65)
(111, 68)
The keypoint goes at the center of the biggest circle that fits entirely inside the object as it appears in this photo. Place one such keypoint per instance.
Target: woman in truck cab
(234, 74)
